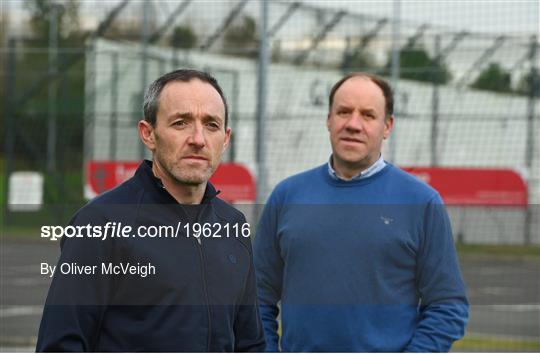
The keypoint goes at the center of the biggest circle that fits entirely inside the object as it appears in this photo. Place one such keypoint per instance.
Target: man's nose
(196, 136)
(354, 122)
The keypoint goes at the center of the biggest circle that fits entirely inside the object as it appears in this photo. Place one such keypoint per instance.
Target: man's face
(189, 135)
(357, 123)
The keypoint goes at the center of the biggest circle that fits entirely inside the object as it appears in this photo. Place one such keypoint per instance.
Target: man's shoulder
(299, 187)
(300, 179)
(128, 192)
(410, 184)
(226, 211)
(111, 203)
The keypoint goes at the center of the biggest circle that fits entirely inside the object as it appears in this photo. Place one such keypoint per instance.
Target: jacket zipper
(205, 285)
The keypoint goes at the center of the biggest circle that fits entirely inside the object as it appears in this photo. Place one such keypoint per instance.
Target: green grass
(500, 250)
(21, 232)
(477, 343)
(2, 189)
(64, 188)
(63, 196)
(2, 193)
(2, 181)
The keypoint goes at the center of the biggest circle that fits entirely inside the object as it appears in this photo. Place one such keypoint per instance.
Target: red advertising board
(104, 175)
(457, 186)
(473, 186)
(235, 183)
(233, 180)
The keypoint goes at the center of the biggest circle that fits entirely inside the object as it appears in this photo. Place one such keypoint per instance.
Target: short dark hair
(383, 85)
(151, 96)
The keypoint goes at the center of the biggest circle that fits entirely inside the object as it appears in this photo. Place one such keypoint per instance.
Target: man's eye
(369, 115)
(213, 125)
(179, 123)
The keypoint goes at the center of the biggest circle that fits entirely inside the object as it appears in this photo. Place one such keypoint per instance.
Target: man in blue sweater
(359, 253)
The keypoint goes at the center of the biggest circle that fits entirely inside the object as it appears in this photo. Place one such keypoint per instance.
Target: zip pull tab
(198, 217)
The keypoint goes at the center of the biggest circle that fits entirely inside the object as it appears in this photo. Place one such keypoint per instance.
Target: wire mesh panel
(467, 97)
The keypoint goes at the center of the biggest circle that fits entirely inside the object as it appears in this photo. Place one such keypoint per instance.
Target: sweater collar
(370, 171)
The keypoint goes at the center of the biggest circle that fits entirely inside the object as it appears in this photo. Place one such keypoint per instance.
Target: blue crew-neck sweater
(364, 265)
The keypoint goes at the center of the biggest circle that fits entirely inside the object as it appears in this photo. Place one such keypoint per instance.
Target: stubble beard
(184, 174)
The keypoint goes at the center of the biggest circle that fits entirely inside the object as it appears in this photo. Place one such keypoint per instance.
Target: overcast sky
(510, 16)
(492, 16)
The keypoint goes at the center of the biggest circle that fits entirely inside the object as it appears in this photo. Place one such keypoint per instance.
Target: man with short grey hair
(150, 291)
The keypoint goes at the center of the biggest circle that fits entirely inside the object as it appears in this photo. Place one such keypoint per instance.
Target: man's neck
(349, 171)
(181, 192)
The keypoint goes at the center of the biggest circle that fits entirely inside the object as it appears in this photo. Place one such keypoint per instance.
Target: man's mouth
(195, 158)
(352, 140)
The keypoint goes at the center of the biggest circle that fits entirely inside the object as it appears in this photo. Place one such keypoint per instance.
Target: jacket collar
(146, 176)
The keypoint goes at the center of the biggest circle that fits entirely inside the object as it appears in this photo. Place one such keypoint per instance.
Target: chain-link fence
(466, 103)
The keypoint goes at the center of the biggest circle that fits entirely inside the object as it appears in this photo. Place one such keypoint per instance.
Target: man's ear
(328, 122)
(146, 133)
(388, 125)
(227, 138)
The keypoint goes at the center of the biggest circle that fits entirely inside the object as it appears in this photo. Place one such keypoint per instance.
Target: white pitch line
(17, 311)
(23, 268)
(501, 336)
(516, 307)
(498, 290)
(29, 281)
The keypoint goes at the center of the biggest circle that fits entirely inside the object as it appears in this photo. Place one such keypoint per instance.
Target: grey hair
(151, 96)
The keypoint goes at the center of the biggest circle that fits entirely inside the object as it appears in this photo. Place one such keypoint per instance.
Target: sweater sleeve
(443, 306)
(76, 303)
(269, 271)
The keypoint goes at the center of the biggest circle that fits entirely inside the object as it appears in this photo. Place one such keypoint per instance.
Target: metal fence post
(234, 116)
(10, 133)
(435, 71)
(52, 89)
(113, 147)
(261, 104)
(533, 94)
(395, 73)
(145, 36)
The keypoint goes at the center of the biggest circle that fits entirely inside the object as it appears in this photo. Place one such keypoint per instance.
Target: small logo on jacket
(232, 259)
(387, 220)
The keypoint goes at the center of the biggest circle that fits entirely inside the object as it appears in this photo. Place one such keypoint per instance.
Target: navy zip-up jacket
(201, 297)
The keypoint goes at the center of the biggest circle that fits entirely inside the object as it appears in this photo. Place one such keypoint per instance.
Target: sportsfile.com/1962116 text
(119, 230)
